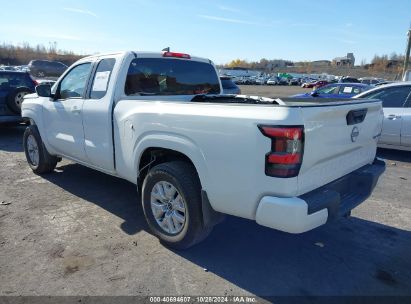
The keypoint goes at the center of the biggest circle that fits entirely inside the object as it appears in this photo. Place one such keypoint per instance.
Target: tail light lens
(176, 55)
(35, 82)
(287, 146)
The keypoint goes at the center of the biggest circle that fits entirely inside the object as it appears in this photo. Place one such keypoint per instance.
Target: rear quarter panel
(223, 142)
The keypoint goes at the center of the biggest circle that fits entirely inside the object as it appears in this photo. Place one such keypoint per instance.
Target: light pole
(407, 54)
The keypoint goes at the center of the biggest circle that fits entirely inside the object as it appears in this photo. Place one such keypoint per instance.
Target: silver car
(396, 101)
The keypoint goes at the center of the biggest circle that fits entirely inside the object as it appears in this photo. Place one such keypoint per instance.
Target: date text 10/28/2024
(203, 299)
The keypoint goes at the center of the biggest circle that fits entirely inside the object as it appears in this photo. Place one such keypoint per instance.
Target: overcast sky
(220, 30)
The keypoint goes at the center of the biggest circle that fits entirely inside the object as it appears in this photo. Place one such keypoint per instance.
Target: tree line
(379, 63)
(22, 54)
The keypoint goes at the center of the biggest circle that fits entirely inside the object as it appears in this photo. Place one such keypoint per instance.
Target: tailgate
(339, 139)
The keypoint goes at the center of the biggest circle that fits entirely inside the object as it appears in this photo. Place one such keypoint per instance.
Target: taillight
(286, 155)
(177, 55)
(35, 82)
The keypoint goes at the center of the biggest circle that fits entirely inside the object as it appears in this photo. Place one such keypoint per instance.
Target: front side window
(169, 76)
(393, 97)
(102, 78)
(74, 83)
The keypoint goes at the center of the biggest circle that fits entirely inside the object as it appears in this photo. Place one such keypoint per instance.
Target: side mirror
(314, 94)
(43, 90)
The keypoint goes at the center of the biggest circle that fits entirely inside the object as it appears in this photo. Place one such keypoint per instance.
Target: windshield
(168, 76)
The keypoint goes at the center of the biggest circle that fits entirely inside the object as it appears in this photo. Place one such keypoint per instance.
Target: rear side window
(102, 78)
(350, 90)
(393, 97)
(169, 76)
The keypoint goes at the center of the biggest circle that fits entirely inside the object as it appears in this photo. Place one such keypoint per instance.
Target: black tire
(46, 162)
(184, 178)
(14, 99)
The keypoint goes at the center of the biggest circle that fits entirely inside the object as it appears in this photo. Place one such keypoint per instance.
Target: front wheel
(171, 199)
(38, 158)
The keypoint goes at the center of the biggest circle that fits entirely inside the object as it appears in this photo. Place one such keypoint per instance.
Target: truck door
(63, 116)
(97, 108)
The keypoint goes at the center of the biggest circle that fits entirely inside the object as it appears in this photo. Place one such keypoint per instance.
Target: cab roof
(142, 54)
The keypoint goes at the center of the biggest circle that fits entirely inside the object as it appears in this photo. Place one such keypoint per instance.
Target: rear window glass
(15, 80)
(168, 76)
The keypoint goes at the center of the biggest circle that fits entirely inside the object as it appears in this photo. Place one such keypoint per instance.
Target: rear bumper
(315, 208)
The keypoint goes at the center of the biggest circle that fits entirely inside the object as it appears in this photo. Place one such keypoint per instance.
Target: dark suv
(13, 87)
(46, 68)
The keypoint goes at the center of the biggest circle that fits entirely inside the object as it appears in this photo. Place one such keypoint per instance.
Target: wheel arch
(152, 156)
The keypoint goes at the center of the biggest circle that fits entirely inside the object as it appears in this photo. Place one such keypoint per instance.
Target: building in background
(348, 60)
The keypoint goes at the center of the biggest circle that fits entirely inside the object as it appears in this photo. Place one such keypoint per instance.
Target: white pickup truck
(158, 120)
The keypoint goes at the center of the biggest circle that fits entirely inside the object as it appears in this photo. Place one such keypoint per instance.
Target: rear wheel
(171, 199)
(38, 158)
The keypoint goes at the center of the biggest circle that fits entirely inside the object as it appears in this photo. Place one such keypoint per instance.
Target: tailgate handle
(356, 116)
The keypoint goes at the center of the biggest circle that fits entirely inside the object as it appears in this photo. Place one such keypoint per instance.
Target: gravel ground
(80, 232)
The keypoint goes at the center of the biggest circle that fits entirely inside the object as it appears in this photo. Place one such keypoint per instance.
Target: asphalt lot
(80, 232)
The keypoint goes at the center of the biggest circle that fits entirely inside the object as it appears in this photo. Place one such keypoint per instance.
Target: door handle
(393, 117)
(75, 109)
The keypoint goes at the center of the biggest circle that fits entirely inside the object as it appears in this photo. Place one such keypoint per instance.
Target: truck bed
(282, 101)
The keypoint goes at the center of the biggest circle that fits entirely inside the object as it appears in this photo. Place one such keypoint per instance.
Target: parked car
(369, 80)
(273, 81)
(229, 87)
(293, 81)
(283, 81)
(348, 79)
(396, 101)
(308, 84)
(383, 83)
(315, 84)
(336, 90)
(45, 81)
(246, 80)
(13, 87)
(260, 81)
(46, 68)
(159, 121)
